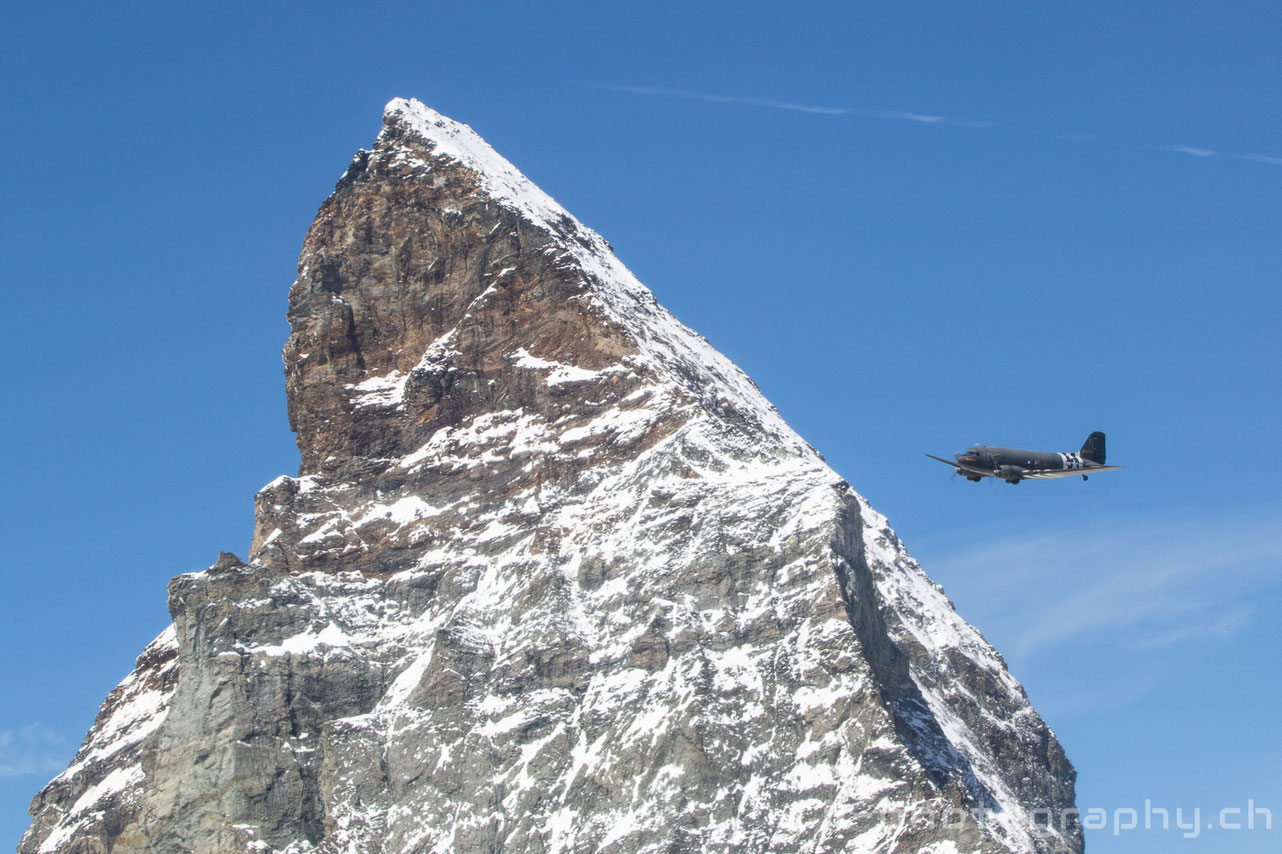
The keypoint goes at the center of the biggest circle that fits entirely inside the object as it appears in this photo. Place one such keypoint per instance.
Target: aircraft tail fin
(1093, 450)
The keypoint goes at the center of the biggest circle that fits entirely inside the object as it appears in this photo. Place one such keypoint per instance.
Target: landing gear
(1014, 480)
(973, 479)
(1084, 477)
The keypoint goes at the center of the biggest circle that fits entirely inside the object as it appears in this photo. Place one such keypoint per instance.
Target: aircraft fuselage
(1016, 462)
(1013, 465)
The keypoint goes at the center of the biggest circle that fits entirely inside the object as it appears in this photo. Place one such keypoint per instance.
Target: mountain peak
(432, 264)
(410, 123)
(553, 576)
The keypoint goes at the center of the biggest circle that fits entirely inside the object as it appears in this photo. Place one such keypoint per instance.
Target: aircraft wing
(1046, 474)
(963, 466)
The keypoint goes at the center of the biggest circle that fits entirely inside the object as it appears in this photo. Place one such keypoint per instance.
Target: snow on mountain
(554, 576)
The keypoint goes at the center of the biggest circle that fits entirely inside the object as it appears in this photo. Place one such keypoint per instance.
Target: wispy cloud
(793, 106)
(913, 117)
(1141, 585)
(32, 749)
(729, 99)
(905, 116)
(927, 119)
(1260, 158)
(1217, 622)
(1188, 149)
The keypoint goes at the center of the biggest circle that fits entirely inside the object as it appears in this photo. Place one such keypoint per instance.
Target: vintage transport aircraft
(1013, 465)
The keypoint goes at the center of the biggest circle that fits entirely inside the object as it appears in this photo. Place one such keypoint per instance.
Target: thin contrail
(819, 109)
(1188, 149)
(900, 115)
(1206, 152)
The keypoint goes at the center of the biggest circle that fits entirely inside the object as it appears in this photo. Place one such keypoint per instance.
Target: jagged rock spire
(553, 577)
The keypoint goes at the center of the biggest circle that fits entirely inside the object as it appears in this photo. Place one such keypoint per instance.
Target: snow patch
(560, 373)
(387, 390)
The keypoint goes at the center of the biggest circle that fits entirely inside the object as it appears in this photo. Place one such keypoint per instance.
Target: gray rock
(553, 577)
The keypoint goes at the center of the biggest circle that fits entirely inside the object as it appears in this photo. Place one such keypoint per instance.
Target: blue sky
(915, 228)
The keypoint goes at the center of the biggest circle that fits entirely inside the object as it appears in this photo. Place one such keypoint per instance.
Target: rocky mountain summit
(553, 577)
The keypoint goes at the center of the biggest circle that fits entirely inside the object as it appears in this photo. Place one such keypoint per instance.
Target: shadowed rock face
(553, 577)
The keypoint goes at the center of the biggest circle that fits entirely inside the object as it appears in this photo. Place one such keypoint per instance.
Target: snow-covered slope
(554, 577)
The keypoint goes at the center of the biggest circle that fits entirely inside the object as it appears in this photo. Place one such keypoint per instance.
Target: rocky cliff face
(553, 577)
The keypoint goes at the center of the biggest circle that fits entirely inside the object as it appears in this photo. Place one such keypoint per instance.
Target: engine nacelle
(1010, 472)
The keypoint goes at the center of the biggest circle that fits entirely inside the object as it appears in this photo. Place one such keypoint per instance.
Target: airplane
(1012, 465)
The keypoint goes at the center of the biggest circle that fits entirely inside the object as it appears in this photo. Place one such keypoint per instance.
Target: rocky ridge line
(553, 576)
